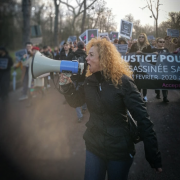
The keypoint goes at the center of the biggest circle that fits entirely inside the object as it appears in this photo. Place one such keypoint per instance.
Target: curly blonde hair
(145, 44)
(111, 62)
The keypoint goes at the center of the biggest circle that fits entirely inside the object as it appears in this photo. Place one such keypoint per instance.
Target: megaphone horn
(42, 64)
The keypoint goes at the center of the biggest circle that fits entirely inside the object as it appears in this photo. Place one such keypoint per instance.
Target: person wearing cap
(5, 70)
(81, 55)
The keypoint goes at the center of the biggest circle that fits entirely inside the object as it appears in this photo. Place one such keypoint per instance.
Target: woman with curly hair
(142, 46)
(109, 91)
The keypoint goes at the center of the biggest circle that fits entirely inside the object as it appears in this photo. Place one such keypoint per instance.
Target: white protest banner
(114, 35)
(122, 48)
(3, 63)
(19, 54)
(173, 32)
(103, 34)
(83, 36)
(91, 33)
(126, 29)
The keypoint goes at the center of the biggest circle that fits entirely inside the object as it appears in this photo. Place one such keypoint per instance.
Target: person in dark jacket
(5, 72)
(160, 42)
(142, 46)
(67, 53)
(109, 91)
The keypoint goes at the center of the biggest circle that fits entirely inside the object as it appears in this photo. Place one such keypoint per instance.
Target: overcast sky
(121, 8)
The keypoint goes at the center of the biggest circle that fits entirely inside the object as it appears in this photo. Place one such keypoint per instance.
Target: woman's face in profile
(93, 60)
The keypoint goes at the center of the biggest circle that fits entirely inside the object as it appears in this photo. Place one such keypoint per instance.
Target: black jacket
(79, 52)
(63, 56)
(165, 50)
(134, 48)
(107, 134)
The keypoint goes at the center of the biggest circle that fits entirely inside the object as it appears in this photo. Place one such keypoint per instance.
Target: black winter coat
(63, 56)
(107, 134)
(134, 48)
(79, 52)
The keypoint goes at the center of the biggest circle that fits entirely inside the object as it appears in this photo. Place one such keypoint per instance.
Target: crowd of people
(74, 50)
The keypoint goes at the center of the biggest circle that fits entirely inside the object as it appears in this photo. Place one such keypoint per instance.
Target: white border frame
(172, 29)
(115, 32)
(130, 32)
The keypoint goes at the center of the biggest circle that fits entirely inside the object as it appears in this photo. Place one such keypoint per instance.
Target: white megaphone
(41, 65)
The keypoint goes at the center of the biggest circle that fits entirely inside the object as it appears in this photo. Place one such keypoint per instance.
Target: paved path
(44, 142)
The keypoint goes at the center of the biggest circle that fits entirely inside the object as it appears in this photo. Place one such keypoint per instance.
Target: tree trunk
(56, 34)
(26, 10)
(84, 17)
(73, 25)
(156, 28)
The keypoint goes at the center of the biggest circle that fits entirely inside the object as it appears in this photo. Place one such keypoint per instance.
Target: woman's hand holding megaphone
(65, 82)
(64, 79)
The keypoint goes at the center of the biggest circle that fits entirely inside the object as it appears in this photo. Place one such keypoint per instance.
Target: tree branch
(67, 4)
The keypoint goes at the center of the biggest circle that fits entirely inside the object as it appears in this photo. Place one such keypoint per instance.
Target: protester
(5, 73)
(122, 41)
(129, 45)
(160, 42)
(24, 77)
(142, 46)
(79, 54)
(28, 63)
(109, 91)
(153, 44)
(67, 53)
(178, 46)
(169, 45)
(56, 52)
(71, 45)
(48, 54)
(50, 51)
(116, 41)
(75, 44)
(39, 82)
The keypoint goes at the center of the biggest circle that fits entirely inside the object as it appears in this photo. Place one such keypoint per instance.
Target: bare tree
(174, 20)
(77, 12)
(26, 9)
(155, 13)
(56, 34)
(129, 17)
(84, 17)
